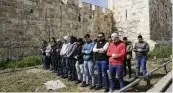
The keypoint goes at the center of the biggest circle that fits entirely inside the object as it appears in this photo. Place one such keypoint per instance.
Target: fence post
(148, 81)
(165, 69)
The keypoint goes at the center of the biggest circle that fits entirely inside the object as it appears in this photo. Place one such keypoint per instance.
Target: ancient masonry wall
(160, 19)
(150, 18)
(24, 23)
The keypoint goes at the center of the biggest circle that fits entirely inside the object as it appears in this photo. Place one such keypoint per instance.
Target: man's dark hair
(140, 36)
(109, 36)
(53, 38)
(44, 41)
(87, 35)
(95, 40)
(75, 38)
(102, 33)
(124, 38)
(80, 40)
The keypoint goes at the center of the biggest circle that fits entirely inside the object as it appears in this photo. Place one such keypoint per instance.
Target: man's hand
(113, 55)
(139, 50)
(100, 50)
(86, 51)
(57, 50)
(75, 57)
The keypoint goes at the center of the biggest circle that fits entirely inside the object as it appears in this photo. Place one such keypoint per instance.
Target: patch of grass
(161, 52)
(26, 81)
(25, 62)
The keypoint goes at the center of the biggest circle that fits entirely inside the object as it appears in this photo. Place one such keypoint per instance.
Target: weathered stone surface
(160, 19)
(25, 23)
(150, 18)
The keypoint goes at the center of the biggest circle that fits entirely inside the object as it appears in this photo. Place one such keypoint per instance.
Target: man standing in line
(71, 59)
(43, 49)
(79, 61)
(63, 54)
(100, 49)
(59, 67)
(87, 52)
(116, 52)
(53, 54)
(141, 49)
(127, 59)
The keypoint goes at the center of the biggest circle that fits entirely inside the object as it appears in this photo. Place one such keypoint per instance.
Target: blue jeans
(141, 60)
(54, 63)
(113, 69)
(65, 66)
(89, 71)
(47, 62)
(102, 66)
(44, 60)
(71, 68)
(80, 71)
(59, 66)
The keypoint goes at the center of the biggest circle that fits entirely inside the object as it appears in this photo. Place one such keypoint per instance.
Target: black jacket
(78, 53)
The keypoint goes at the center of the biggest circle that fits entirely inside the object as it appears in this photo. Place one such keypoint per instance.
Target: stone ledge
(160, 86)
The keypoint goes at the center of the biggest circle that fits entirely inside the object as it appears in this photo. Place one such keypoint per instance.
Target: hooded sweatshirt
(87, 51)
(119, 49)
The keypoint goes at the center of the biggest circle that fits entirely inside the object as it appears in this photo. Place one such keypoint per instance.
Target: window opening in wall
(98, 28)
(126, 14)
(90, 16)
(90, 7)
(79, 18)
(31, 11)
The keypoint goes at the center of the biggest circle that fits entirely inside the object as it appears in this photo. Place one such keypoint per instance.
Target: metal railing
(148, 75)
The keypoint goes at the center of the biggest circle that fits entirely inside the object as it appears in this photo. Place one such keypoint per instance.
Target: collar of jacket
(88, 42)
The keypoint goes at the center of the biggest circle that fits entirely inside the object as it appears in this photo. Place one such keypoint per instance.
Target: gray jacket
(141, 49)
(64, 50)
(71, 50)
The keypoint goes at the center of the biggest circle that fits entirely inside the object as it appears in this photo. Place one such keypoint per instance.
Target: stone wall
(160, 19)
(150, 18)
(132, 18)
(24, 23)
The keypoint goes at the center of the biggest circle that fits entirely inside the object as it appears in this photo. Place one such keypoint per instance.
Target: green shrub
(3, 64)
(30, 61)
(161, 52)
(12, 64)
(25, 62)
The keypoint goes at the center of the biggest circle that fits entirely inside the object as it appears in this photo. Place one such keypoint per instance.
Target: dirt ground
(33, 79)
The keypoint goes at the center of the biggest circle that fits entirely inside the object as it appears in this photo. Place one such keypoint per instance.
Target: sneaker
(98, 88)
(64, 76)
(58, 74)
(73, 79)
(136, 77)
(84, 84)
(129, 76)
(106, 90)
(70, 79)
(145, 79)
(112, 90)
(124, 75)
(92, 87)
(78, 81)
(54, 71)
